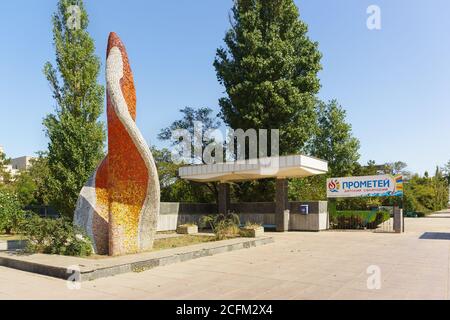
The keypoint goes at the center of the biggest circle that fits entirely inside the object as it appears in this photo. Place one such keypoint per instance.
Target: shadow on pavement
(435, 236)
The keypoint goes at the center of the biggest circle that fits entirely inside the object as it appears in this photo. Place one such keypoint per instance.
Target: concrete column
(398, 220)
(224, 198)
(282, 205)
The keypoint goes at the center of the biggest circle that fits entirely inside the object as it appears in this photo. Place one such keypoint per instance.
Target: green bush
(55, 236)
(223, 225)
(11, 213)
(358, 219)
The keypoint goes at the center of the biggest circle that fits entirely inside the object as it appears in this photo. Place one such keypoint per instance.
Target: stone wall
(174, 214)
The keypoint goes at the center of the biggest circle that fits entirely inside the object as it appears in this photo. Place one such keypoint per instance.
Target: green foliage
(38, 173)
(269, 69)
(181, 241)
(446, 171)
(333, 140)
(187, 225)
(226, 229)
(55, 236)
(207, 221)
(173, 188)
(358, 219)
(11, 213)
(308, 189)
(31, 185)
(187, 122)
(76, 137)
(252, 225)
(421, 194)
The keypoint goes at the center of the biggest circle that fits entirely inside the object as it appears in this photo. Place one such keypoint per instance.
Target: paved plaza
(326, 265)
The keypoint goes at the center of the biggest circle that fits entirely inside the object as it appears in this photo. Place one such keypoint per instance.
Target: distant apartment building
(21, 163)
(16, 165)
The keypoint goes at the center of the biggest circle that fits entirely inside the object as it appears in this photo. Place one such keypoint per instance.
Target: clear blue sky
(394, 83)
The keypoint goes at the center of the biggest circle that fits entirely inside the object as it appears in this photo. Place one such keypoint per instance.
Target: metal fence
(375, 220)
(44, 211)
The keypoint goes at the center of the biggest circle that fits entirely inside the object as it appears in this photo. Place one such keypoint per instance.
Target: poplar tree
(76, 137)
(269, 70)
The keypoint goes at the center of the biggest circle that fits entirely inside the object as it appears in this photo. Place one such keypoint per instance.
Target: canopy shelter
(281, 168)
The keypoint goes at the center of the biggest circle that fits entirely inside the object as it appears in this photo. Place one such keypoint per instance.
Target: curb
(62, 272)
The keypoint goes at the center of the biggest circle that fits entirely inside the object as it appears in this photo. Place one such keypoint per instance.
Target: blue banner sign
(370, 186)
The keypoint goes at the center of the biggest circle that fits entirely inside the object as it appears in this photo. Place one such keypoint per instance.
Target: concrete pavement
(326, 265)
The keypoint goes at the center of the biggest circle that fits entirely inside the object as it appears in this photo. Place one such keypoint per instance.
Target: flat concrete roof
(294, 166)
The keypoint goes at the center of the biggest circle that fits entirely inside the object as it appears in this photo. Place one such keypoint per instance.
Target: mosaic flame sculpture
(119, 206)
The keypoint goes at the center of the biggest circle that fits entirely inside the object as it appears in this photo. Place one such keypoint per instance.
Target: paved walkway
(327, 265)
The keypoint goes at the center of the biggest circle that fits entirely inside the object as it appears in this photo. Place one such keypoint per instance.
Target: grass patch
(171, 243)
(181, 241)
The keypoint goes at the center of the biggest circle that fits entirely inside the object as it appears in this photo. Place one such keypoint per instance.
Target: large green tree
(269, 70)
(76, 136)
(334, 140)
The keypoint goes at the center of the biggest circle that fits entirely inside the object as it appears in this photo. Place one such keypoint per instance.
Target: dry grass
(181, 241)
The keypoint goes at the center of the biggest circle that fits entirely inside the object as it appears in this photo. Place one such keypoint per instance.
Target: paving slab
(88, 269)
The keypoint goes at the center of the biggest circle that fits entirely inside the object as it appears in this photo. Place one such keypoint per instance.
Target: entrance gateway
(280, 168)
(369, 186)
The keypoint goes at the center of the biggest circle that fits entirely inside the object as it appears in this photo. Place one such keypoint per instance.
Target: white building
(16, 165)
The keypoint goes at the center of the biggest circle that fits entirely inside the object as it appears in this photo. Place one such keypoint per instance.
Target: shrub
(11, 213)
(358, 219)
(188, 225)
(223, 225)
(421, 214)
(55, 236)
